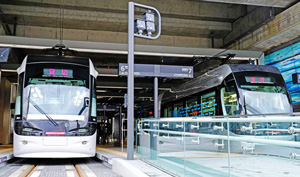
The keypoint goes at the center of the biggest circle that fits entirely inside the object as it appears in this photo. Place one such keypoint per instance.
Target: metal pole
(130, 83)
(122, 135)
(156, 97)
(228, 146)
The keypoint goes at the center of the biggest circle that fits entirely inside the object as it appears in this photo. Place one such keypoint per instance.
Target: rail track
(51, 168)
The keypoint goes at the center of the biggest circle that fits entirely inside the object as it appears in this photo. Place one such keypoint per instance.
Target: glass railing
(256, 145)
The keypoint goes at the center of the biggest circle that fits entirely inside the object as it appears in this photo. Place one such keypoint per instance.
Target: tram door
(109, 125)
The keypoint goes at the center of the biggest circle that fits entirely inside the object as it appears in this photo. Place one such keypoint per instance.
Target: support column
(156, 97)
(5, 112)
(130, 84)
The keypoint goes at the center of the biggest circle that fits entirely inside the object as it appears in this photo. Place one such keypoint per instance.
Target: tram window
(165, 112)
(18, 99)
(265, 88)
(177, 108)
(229, 101)
(263, 93)
(208, 104)
(191, 106)
(169, 111)
(94, 99)
(51, 81)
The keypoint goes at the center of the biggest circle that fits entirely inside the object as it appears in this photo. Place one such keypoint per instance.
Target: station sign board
(168, 71)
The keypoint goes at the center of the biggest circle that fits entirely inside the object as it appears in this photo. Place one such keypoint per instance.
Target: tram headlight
(84, 142)
(27, 129)
(24, 142)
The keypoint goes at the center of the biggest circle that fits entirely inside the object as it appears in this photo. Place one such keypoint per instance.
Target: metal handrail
(236, 116)
(226, 119)
(243, 138)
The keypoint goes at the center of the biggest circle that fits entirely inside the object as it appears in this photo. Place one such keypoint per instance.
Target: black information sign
(145, 70)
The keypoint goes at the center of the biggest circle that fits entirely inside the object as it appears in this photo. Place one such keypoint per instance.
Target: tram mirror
(12, 105)
(86, 102)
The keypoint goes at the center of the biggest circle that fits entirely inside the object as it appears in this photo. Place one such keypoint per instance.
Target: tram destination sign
(146, 70)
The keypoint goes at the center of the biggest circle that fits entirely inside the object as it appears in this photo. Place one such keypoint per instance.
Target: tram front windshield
(263, 93)
(56, 99)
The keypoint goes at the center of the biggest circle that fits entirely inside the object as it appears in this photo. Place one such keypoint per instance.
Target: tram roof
(39, 58)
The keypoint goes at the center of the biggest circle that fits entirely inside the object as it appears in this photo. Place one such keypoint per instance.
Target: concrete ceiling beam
(112, 37)
(187, 9)
(107, 21)
(283, 28)
(2, 32)
(250, 22)
(268, 3)
(121, 48)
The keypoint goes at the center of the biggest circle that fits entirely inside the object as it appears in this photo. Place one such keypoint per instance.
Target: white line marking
(21, 170)
(70, 174)
(35, 174)
(86, 170)
(40, 167)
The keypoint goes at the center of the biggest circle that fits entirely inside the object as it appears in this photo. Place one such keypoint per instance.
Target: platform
(108, 153)
(6, 152)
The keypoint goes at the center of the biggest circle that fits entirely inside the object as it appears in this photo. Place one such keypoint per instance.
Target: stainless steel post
(130, 83)
(156, 97)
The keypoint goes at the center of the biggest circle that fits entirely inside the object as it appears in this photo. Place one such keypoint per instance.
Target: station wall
(287, 60)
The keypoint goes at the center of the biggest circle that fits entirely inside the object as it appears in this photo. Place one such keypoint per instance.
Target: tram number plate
(54, 141)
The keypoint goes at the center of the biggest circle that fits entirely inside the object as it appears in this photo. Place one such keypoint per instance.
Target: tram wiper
(85, 105)
(43, 112)
(29, 125)
(252, 109)
(80, 130)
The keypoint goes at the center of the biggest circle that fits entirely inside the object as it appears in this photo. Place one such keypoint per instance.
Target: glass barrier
(253, 145)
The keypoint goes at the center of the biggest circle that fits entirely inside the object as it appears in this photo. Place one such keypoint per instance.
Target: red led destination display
(54, 72)
(253, 79)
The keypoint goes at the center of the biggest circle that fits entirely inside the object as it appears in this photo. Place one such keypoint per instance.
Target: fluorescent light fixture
(137, 88)
(102, 91)
(119, 48)
(108, 75)
(8, 70)
(110, 96)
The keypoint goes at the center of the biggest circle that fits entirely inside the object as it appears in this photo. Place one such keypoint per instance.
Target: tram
(231, 89)
(55, 108)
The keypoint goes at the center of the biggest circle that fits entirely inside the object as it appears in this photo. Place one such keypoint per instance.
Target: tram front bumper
(54, 146)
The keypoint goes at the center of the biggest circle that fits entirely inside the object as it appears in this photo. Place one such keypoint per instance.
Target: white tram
(55, 108)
